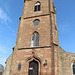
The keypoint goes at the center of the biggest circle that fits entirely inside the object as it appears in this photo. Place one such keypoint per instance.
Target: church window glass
(35, 39)
(37, 7)
(36, 22)
(19, 66)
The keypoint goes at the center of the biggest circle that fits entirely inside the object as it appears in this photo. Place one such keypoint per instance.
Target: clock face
(1, 68)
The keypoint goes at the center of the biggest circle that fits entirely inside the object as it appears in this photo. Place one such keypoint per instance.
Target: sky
(11, 10)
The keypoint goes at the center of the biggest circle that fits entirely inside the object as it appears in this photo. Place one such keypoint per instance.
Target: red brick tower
(36, 50)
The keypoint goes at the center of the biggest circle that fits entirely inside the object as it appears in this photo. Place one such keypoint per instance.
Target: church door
(33, 68)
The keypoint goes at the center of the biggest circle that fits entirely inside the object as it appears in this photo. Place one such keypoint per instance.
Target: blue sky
(11, 10)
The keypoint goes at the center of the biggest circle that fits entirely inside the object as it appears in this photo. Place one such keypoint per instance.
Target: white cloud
(64, 28)
(4, 17)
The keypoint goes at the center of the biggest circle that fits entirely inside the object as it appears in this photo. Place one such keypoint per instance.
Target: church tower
(36, 50)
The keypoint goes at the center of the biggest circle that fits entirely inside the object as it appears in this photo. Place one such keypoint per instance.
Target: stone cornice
(40, 15)
(34, 47)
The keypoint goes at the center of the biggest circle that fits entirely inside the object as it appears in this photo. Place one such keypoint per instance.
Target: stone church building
(37, 50)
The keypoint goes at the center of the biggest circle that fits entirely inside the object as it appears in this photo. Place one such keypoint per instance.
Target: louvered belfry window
(37, 7)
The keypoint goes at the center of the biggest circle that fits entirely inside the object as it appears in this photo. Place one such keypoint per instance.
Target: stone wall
(8, 65)
(66, 61)
(24, 56)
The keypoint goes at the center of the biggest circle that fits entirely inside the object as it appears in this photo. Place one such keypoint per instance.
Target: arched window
(33, 68)
(19, 66)
(74, 69)
(37, 6)
(35, 39)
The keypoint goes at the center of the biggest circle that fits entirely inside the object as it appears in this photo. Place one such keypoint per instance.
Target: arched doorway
(33, 68)
(73, 68)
